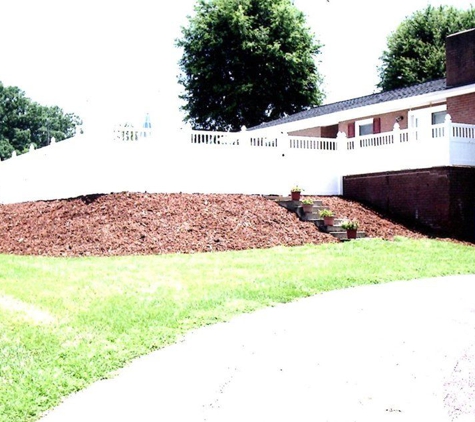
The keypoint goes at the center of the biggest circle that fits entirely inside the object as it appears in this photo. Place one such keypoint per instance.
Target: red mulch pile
(143, 224)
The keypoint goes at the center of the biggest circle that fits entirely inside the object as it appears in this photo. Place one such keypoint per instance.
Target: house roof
(381, 97)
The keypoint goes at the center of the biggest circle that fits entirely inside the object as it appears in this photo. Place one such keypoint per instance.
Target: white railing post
(343, 154)
(448, 127)
(396, 133)
(345, 143)
(398, 155)
(243, 139)
(283, 143)
(448, 139)
(341, 140)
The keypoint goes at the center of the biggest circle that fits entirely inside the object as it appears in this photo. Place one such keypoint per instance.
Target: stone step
(314, 217)
(315, 211)
(341, 235)
(294, 205)
(336, 223)
(309, 217)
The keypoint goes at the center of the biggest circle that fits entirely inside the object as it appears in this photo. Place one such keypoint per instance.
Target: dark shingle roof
(381, 97)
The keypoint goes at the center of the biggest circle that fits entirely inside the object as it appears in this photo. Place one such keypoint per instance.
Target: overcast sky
(115, 61)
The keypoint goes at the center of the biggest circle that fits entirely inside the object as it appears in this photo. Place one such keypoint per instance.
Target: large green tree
(245, 62)
(416, 50)
(24, 122)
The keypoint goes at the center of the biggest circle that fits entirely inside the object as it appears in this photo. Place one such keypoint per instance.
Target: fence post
(448, 126)
(396, 133)
(242, 138)
(448, 138)
(343, 156)
(398, 157)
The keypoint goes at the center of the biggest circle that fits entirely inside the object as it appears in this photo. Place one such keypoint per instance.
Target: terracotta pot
(295, 196)
(307, 208)
(351, 234)
(329, 221)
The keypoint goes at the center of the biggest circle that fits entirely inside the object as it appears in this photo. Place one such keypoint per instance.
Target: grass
(67, 322)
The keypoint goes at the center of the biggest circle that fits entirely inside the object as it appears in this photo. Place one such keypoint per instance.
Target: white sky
(115, 61)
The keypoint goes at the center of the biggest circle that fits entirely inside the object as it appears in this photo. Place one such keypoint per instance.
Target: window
(368, 126)
(366, 129)
(438, 117)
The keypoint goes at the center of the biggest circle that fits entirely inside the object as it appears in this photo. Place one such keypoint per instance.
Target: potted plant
(307, 205)
(351, 227)
(328, 217)
(295, 193)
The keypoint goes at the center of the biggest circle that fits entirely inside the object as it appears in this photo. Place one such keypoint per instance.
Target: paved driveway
(402, 351)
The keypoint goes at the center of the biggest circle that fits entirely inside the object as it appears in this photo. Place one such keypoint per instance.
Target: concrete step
(314, 217)
(341, 235)
(315, 210)
(286, 202)
(336, 223)
(309, 217)
(297, 205)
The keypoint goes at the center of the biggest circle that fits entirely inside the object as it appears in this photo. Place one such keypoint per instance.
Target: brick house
(435, 192)
(411, 107)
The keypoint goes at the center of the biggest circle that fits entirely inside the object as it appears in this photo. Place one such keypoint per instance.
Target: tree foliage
(245, 62)
(24, 122)
(416, 50)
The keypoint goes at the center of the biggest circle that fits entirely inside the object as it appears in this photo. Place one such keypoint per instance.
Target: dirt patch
(142, 224)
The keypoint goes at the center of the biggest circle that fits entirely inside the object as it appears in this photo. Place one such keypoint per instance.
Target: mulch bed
(143, 224)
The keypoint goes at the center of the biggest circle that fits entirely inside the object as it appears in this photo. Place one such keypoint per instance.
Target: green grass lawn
(66, 322)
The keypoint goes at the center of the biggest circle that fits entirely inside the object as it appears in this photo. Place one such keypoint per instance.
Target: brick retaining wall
(441, 199)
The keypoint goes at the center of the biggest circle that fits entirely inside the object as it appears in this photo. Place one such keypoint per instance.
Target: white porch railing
(304, 142)
(219, 162)
(214, 138)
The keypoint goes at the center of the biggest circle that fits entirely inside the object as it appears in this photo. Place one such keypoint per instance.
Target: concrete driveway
(402, 351)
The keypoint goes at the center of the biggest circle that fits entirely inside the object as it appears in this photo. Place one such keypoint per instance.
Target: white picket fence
(216, 162)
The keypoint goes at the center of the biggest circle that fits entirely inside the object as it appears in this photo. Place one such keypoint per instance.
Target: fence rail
(321, 144)
(214, 138)
(463, 131)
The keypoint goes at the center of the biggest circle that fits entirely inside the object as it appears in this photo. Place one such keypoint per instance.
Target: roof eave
(424, 100)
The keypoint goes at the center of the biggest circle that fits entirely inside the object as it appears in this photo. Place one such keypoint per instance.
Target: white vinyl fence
(215, 162)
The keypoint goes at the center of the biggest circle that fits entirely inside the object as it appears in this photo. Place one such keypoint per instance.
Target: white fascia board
(425, 100)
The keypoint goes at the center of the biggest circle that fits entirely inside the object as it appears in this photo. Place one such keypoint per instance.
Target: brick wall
(313, 132)
(329, 131)
(462, 203)
(324, 132)
(462, 108)
(441, 199)
(459, 50)
(387, 121)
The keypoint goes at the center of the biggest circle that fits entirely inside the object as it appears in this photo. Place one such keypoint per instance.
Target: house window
(368, 126)
(438, 117)
(366, 129)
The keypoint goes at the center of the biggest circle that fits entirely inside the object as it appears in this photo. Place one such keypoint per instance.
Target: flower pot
(329, 221)
(307, 208)
(351, 233)
(295, 196)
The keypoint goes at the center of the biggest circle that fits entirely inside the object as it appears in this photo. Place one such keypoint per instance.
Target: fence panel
(244, 162)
